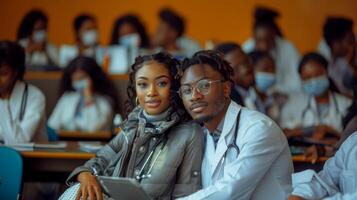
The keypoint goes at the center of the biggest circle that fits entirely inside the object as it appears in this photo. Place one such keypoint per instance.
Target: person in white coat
(246, 154)
(22, 106)
(268, 37)
(32, 35)
(88, 98)
(336, 181)
(318, 111)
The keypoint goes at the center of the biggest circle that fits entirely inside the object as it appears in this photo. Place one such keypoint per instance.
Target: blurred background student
(33, 36)
(88, 99)
(128, 30)
(22, 105)
(267, 36)
(341, 52)
(86, 38)
(243, 75)
(316, 112)
(169, 35)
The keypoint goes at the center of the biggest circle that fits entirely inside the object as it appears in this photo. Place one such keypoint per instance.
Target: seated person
(170, 37)
(156, 123)
(32, 35)
(88, 98)
(86, 37)
(264, 96)
(342, 57)
(337, 180)
(128, 30)
(22, 105)
(267, 36)
(243, 73)
(317, 112)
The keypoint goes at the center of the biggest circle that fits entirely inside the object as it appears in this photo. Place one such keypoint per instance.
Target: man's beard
(203, 119)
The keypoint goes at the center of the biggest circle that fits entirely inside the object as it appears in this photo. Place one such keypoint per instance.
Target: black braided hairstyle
(172, 64)
(210, 57)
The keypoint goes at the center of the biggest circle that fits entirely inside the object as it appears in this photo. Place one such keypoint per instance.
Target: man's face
(243, 70)
(342, 47)
(164, 35)
(264, 39)
(204, 107)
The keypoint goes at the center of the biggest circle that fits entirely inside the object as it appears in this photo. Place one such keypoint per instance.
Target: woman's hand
(89, 187)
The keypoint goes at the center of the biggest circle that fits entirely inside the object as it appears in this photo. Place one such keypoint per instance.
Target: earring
(136, 101)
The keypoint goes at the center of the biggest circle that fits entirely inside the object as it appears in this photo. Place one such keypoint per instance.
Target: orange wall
(301, 20)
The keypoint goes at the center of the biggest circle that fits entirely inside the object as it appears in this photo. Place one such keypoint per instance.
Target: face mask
(264, 81)
(89, 38)
(80, 85)
(39, 36)
(316, 86)
(131, 40)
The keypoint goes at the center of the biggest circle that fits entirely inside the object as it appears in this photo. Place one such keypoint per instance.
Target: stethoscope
(23, 102)
(142, 174)
(309, 107)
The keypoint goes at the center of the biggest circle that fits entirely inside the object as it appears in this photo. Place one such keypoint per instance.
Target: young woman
(22, 105)
(156, 146)
(32, 35)
(88, 98)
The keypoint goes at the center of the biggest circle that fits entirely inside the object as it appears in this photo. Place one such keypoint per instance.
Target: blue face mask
(131, 40)
(316, 86)
(264, 81)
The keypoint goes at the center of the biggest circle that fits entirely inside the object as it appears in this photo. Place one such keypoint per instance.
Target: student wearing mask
(128, 30)
(32, 34)
(318, 111)
(86, 37)
(342, 53)
(264, 96)
(267, 36)
(170, 37)
(22, 105)
(88, 99)
(243, 73)
(156, 133)
(246, 154)
(336, 181)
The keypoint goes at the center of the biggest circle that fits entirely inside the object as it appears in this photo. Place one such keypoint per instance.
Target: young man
(246, 154)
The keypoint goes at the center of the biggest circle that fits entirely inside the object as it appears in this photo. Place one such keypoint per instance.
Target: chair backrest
(11, 169)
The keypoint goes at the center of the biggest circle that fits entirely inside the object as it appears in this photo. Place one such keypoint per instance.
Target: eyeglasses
(203, 87)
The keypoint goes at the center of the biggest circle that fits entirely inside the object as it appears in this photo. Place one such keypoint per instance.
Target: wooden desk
(53, 164)
(79, 135)
(301, 163)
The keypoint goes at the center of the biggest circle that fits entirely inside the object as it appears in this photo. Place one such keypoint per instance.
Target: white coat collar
(16, 98)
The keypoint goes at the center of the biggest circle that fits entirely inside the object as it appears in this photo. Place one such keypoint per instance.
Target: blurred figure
(317, 112)
(32, 34)
(170, 37)
(264, 98)
(86, 36)
(243, 74)
(267, 36)
(128, 30)
(22, 105)
(341, 53)
(88, 98)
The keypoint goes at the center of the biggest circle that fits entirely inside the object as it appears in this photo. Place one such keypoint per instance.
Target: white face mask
(89, 38)
(131, 40)
(80, 85)
(39, 36)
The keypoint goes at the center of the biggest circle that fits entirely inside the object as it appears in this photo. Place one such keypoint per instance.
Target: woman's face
(7, 78)
(152, 84)
(126, 29)
(80, 80)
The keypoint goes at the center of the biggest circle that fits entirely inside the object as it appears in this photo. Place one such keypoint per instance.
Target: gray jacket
(176, 170)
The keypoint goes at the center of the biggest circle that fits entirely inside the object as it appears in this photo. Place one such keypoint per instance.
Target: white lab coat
(336, 181)
(287, 59)
(32, 128)
(293, 116)
(263, 167)
(94, 117)
(39, 58)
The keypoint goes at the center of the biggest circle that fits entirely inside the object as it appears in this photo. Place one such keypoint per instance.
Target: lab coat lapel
(222, 145)
(16, 98)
